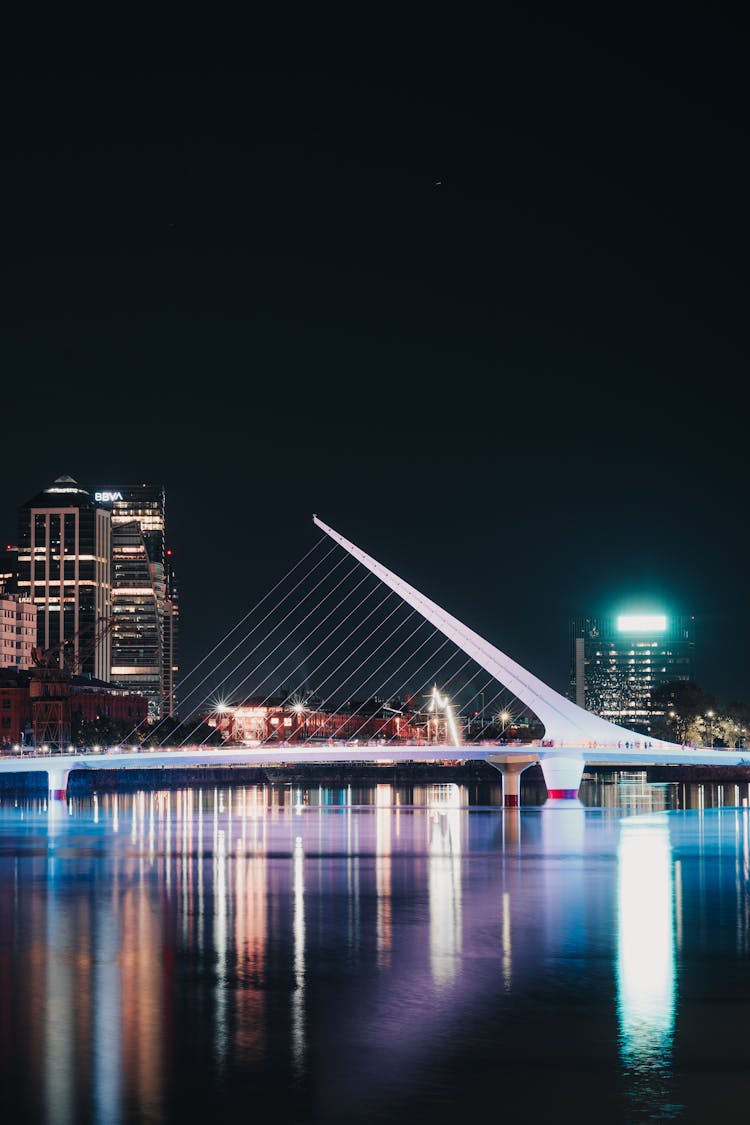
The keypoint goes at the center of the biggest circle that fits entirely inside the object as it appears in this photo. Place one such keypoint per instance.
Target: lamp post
(710, 717)
(504, 718)
(300, 711)
(397, 721)
(221, 724)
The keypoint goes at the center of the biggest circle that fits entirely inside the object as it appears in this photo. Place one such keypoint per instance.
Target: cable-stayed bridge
(333, 642)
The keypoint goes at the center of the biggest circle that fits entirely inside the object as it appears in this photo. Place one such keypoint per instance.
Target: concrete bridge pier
(57, 782)
(562, 775)
(511, 769)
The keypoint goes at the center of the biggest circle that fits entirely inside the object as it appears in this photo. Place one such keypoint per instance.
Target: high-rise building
(617, 662)
(171, 635)
(64, 569)
(9, 570)
(144, 595)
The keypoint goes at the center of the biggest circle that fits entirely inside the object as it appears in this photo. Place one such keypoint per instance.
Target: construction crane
(50, 687)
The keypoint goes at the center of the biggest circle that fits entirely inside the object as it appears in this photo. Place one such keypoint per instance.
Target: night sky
(471, 288)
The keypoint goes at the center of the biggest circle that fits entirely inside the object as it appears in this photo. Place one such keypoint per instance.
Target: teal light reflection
(646, 982)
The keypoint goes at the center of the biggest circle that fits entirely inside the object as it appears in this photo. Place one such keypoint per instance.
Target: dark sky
(472, 288)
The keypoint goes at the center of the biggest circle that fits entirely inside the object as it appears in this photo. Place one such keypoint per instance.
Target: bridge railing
(637, 745)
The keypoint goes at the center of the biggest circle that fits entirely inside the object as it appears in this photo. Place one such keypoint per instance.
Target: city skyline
(474, 295)
(109, 501)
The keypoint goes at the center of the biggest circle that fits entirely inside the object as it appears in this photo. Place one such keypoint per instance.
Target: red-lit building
(15, 707)
(257, 723)
(90, 700)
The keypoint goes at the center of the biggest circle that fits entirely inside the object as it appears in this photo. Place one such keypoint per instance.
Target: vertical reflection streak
(745, 876)
(151, 827)
(352, 877)
(187, 862)
(168, 840)
(220, 937)
(298, 995)
(250, 906)
(444, 882)
(678, 904)
(383, 803)
(507, 961)
(200, 927)
(59, 1037)
(646, 962)
(738, 888)
(107, 1006)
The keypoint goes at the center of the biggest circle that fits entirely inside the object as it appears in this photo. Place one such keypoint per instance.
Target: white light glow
(443, 703)
(642, 623)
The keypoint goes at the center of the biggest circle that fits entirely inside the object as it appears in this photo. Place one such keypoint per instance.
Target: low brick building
(90, 700)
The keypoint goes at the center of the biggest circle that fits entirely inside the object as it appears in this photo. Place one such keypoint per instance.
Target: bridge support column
(57, 782)
(511, 772)
(562, 776)
(511, 767)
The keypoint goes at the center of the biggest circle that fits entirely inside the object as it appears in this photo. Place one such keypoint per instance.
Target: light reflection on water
(373, 954)
(646, 957)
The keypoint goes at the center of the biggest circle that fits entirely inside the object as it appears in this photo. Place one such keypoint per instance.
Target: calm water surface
(383, 954)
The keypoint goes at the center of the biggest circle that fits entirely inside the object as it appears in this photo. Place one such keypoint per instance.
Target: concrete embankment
(83, 782)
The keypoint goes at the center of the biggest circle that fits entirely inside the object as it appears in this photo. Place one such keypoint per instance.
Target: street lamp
(299, 710)
(220, 723)
(710, 717)
(504, 718)
(397, 721)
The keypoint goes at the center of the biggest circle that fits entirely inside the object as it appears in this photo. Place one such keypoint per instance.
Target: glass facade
(64, 568)
(144, 596)
(617, 662)
(136, 632)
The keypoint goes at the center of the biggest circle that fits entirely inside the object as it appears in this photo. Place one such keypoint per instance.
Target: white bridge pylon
(566, 725)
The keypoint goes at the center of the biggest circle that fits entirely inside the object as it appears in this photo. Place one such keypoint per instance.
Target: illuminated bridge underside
(511, 761)
(565, 723)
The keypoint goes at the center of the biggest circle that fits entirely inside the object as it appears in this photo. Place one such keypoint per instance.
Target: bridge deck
(499, 755)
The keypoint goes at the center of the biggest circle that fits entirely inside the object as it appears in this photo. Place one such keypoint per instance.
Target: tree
(685, 705)
(171, 731)
(98, 732)
(735, 723)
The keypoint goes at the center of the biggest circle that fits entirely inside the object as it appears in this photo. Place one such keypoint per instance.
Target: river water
(383, 954)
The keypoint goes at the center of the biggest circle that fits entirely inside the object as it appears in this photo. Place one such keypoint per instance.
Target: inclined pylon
(566, 724)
